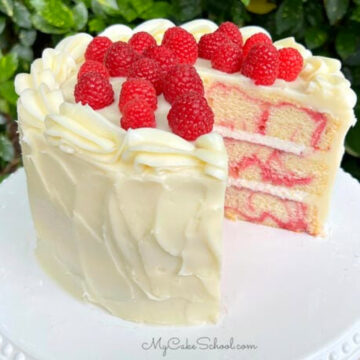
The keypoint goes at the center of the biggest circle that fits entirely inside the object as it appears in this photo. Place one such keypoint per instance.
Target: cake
(127, 185)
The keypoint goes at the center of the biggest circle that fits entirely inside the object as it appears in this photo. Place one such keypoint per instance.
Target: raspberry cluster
(257, 58)
(150, 70)
(153, 69)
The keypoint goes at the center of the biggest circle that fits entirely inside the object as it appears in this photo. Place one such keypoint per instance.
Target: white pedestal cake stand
(286, 296)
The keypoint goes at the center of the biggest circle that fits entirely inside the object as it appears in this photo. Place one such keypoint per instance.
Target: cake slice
(285, 141)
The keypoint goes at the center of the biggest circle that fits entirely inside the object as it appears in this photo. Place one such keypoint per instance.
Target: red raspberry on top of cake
(95, 90)
(137, 88)
(137, 114)
(190, 116)
(291, 64)
(141, 41)
(261, 64)
(97, 48)
(149, 69)
(91, 65)
(259, 38)
(210, 42)
(182, 43)
(165, 57)
(119, 58)
(232, 32)
(227, 57)
(181, 79)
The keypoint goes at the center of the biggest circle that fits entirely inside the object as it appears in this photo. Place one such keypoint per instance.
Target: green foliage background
(328, 27)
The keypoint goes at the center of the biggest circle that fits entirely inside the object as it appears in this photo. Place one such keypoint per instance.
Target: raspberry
(262, 64)
(232, 31)
(181, 79)
(227, 58)
(165, 57)
(259, 38)
(137, 114)
(190, 116)
(91, 65)
(210, 42)
(182, 43)
(118, 58)
(93, 89)
(141, 41)
(137, 88)
(291, 64)
(97, 48)
(147, 69)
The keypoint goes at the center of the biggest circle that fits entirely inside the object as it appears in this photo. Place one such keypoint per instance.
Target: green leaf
(41, 25)
(335, 9)
(4, 106)
(238, 13)
(87, 3)
(347, 44)
(356, 14)
(7, 7)
(160, 9)
(102, 7)
(8, 66)
(96, 25)
(185, 10)
(6, 149)
(27, 37)
(80, 14)
(2, 23)
(55, 13)
(289, 16)
(7, 91)
(246, 2)
(315, 13)
(126, 11)
(21, 15)
(23, 52)
(315, 37)
(141, 6)
(37, 5)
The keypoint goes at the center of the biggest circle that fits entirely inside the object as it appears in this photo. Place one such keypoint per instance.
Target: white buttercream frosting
(282, 192)
(132, 219)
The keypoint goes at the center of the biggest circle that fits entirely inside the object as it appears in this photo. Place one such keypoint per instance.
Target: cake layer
(254, 111)
(260, 163)
(267, 209)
